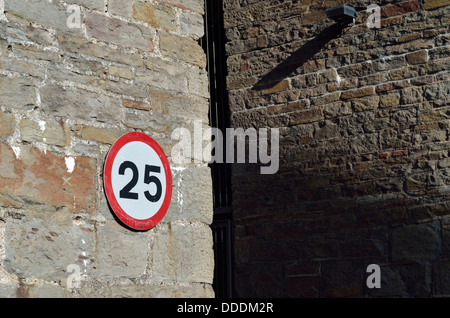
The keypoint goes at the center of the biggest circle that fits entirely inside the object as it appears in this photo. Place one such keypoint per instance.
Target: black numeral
(152, 179)
(126, 193)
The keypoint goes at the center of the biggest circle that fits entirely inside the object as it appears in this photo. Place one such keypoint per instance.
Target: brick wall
(364, 148)
(74, 76)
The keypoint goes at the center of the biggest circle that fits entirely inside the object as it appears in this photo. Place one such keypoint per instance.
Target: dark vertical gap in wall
(214, 45)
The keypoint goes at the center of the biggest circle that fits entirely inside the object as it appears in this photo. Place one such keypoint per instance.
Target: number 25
(126, 193)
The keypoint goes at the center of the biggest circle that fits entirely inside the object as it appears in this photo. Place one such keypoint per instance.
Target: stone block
(404, 280)
(275, 88)
(136, 104)
(416, 242)
(7, 124)
(10, 96)
(38, 177)
(191, 196)
(419, 57)
(120, 7)
(76, 103)
(103, 135)
(182, 253)
(121, 72)
(181, 48)
(432, 4)
(192, 24)
(390, 100)
(305, 116)
(192, 5)
(48, 131)
(81, 46)
(45, 13)
(89, 4)
(119, 32)
(360, 92)
(42, 249)
(365, 103)
(159, 16)
(342, 278)
(441, 271)
(402, 8)
(119, 254)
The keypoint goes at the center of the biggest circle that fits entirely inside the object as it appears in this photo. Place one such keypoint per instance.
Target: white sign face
(138, 181)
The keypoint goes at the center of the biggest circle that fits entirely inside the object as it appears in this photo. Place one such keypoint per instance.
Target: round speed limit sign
(138, 181)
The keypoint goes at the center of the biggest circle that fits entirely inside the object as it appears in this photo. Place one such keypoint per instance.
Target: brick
(432, 4)
(387, 22)
(119, 32)
(304, 117)
(383, 88)
(402, 8)
(433, 116)
(361, 92)
(156, 15)
(278, 87)
(409, 37)
(365, 103)
(356, 70)
(419, 57)
(312, 17)
(42, 177)
(427, 126)
(400, 153)
(390, 100)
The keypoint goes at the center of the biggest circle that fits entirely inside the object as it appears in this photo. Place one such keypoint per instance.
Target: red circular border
(120, 213)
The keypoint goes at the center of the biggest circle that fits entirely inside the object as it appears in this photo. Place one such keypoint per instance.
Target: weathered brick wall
(70, 85)
(364, 148)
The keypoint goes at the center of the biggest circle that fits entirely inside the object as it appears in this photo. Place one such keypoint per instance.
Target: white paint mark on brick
(70, 164)
(42, 125)
(16, 151)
